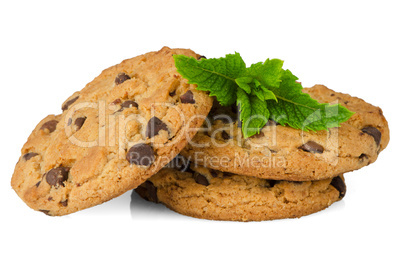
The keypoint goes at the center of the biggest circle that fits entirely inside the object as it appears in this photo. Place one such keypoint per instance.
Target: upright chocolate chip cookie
(112, 135)
(282, 152)
(210, 194)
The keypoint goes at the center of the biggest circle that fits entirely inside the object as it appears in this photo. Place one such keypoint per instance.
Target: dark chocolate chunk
(50, 125)
(117, 101)
(142, 191)
(363, 157)
(129, 104)
(45, 211)
(57, 176)
(37, 184)
(339, 184)
(29, 155)
(374, 132)
(201, 179)
(151, 191)
(154, 126)
(79, 122)
(312, 146)
(68, 103)
(225, 135)
(140, 154)
(188, 97)
(64, 203)
(121, 77)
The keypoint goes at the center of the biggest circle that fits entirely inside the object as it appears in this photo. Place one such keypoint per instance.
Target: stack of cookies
(136, 118)
(279, 173)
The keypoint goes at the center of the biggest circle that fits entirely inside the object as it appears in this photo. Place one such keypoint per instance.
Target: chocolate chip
(68, 103)
(151, 191)
(188, 97)
(121, 77)
(201, 179)
(129, 104)
(363, 157)
(64, 203)
(339, 184)
(172, 93)
(140, 154)
(45, 211)
(50, 125)
(374, 132)
(142, 191)
(79, 122)
(29, 155)
(57, 176)
(154, 126)
(225, 135)
(201, 57)
(312, 146)
(148, 191)
(117, 101)
(37, 184)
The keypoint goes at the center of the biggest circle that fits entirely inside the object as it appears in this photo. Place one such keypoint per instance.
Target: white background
(50, 49)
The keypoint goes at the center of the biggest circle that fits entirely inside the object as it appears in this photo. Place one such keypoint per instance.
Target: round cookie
(282, 152)
(112, 135)
(210, 194)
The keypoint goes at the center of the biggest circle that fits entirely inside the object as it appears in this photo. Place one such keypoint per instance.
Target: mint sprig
(262, 91)
(216, 75)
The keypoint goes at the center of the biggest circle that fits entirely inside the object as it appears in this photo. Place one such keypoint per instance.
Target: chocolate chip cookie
(282, 152)
(111, 136)
(211, 194)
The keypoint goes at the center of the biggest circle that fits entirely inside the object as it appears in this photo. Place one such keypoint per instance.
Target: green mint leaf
(254, 87)
(262, 91)
(298, 110)
(244, 83)
(216, 75)
(254, 113)
(264, 94)
(268, 73)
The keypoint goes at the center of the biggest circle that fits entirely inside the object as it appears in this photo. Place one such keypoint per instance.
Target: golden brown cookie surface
(210, 194)
(282, 152)
(111, 136)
